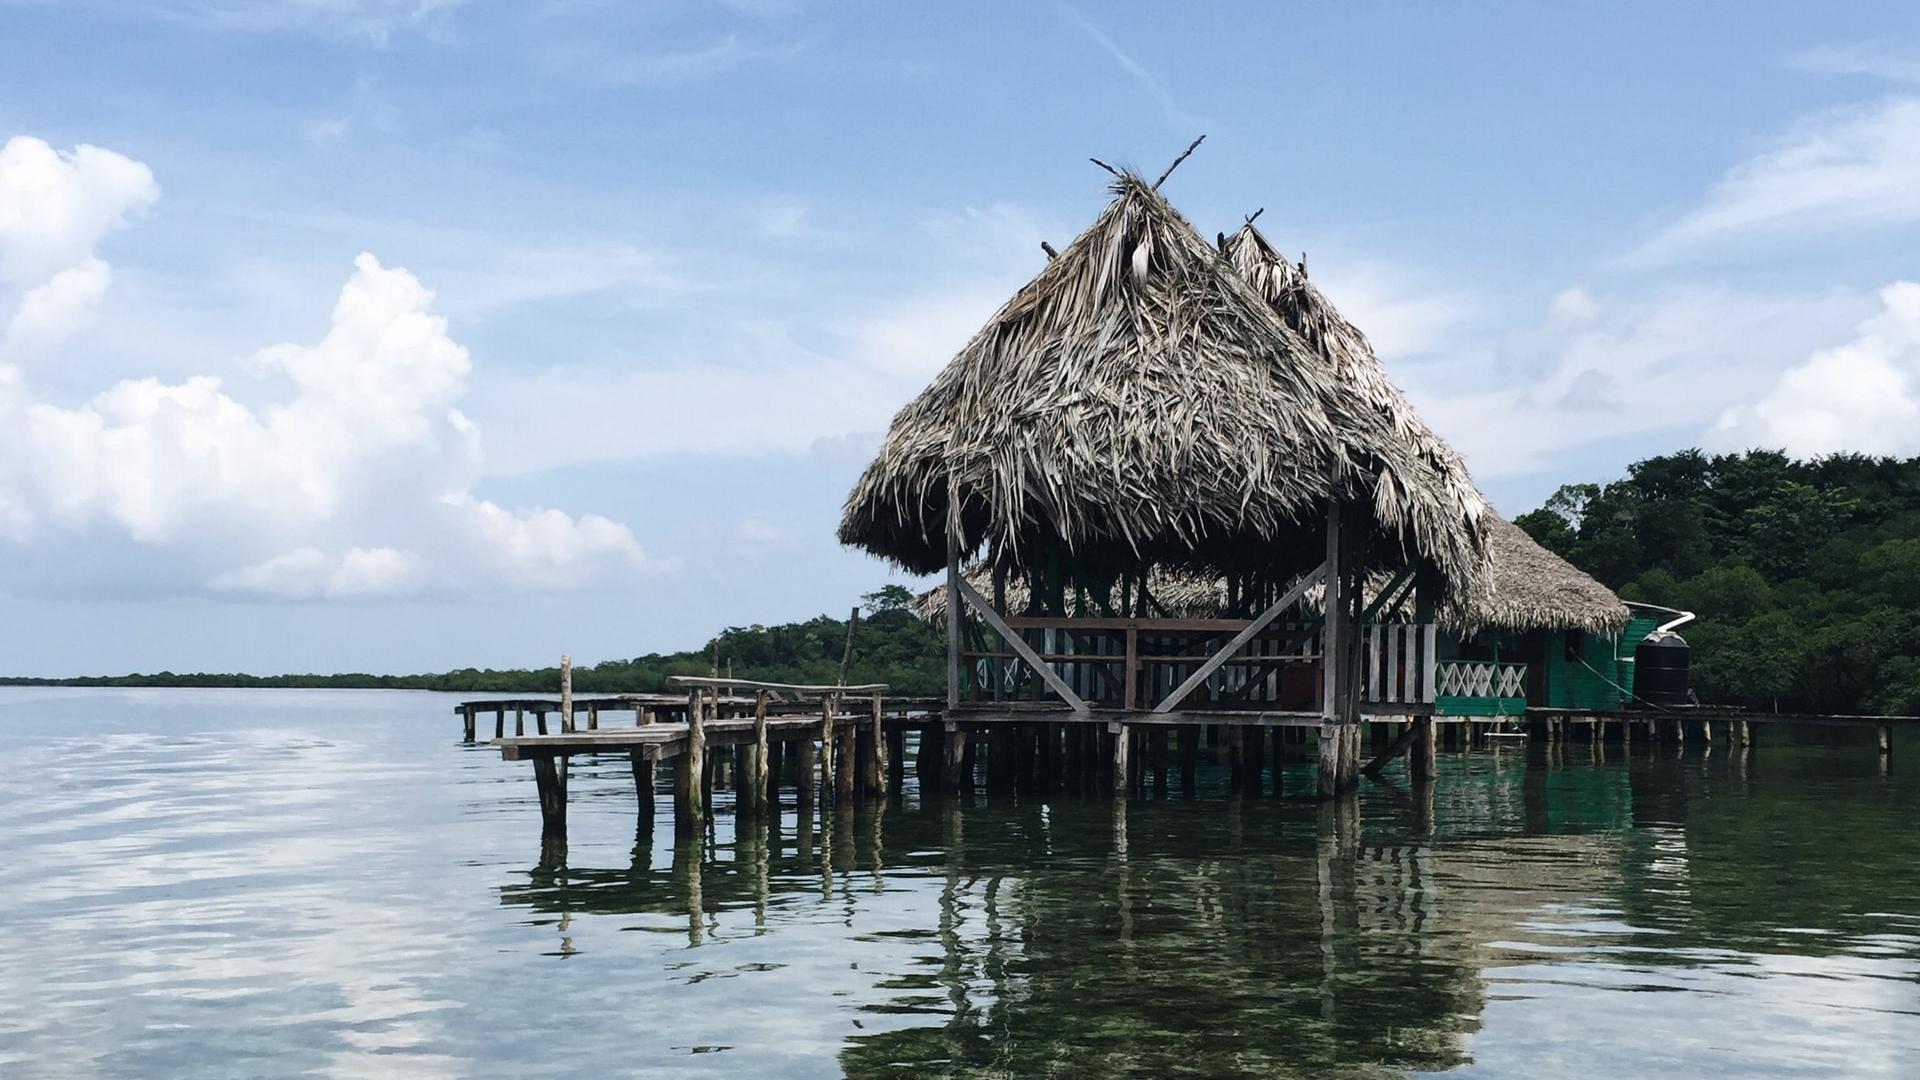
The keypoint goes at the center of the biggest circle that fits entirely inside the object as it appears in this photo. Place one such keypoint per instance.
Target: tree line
(890, 646)
(1805, 574)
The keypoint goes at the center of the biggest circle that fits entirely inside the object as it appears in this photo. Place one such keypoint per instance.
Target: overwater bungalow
(1140, 409)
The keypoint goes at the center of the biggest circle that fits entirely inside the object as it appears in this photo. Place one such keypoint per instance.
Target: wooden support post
(896, 763)
(1886, 738)
(1279, 756)
(1157, 760)
(1327, 751)
(466, 722)
(927, 761)
(757, 769)
(643, 788)
(1236, 761)
(566, 693)
(1421, 758)
(540, 720)
(643, 776)
(828, 767)
(1253, 746)
(1189, 760)
(846, 767)
(953, 616)
(877, 757)
(696, 768)
(500, 722)
(953, 761)
(1742, 731)
(1130, 671)
(804, 777)
(1122, 744)
(519, 721)
(550, 777)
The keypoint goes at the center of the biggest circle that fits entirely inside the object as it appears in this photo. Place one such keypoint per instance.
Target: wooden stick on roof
(1191, 147)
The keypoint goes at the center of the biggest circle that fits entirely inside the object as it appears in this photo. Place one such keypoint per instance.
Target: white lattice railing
(1482, 679)
(1397, 662)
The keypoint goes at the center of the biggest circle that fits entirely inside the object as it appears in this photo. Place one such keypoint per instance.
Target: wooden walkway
(839, 744)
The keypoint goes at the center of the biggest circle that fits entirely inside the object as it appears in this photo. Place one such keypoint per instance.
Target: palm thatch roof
(1534, 589)
(1140, 402)
(1530, 588)
(1310, 314)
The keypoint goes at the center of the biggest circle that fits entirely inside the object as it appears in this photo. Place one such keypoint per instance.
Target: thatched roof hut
(1140, 403)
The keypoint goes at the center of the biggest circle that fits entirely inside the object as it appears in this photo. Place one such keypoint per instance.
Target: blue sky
(405, 334)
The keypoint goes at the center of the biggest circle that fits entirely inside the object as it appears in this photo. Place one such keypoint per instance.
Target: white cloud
(1660, 368)
(56, 206)
(545, 547)
(50, 313)
(308, 573)
(278, 496)
(1852, 168)
(1863, 396)
(1879, 59)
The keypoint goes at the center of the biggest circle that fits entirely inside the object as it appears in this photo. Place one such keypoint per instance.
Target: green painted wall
(1601, 682)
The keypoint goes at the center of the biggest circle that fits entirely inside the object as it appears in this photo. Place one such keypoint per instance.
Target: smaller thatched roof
(1530, 588)
(1534, 589)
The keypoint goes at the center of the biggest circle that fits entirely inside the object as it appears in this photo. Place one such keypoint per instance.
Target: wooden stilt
(500, 723)
(1122, 745)
(1236, 760)
(566, 694)
(550, 778)
(846, 767)
(806, 769)
(1421, 756)
(519, 721)
(1157, 759)
(1886, 738)
(466, 722)
(643, 789)
(1189, 760)
(877, 756)
(1279, 763)
(829, 768)
(928, 758)
(1742, 732)
(1327, 765)
(696, 759)
(896, 760)
(953, 761)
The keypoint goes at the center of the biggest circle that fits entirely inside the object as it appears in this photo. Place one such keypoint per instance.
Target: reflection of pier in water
(1291, 941)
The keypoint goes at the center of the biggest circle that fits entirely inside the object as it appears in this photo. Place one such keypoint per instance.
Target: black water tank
(1660, 670)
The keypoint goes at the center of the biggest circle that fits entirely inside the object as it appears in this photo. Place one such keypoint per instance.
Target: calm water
(236, 883)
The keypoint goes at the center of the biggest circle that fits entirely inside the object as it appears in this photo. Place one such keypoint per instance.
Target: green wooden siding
(1605, 678)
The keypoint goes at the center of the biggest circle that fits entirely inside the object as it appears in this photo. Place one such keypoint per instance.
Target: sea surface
(290, 883)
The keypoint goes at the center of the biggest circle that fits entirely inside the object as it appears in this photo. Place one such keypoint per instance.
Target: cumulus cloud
(1852, 168)
(308, 573)
(1862, 396)
(545, 547)
(55, 208)
(1660, 368)
(365, 442)
(49, 313)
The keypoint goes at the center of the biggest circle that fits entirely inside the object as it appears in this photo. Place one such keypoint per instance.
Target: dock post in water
(566, 693)
(757, 759)
(1886, 738)
(689, 778)
(828, 767)
(466, 718)
(550, 778)
(877, 760)
(1122, 740)
(1420, 760)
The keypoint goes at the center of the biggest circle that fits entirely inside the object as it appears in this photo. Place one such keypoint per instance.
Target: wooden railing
(1482, 679)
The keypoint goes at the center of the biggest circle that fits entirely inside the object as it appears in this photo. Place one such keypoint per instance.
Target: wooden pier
(835, 745)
